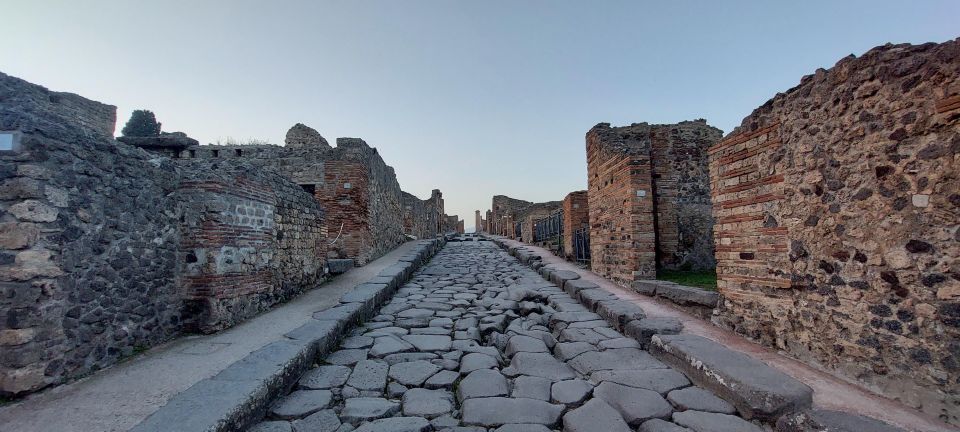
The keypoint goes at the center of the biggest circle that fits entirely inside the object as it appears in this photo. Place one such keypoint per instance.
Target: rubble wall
(837, 206)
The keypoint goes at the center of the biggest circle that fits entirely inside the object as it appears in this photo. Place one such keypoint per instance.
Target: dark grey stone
(595, 415)
(570, 392)
(338, 266)
(541, 365)
(615, 359)
(301, 403)
(442, 380)
(477, 361)
(413, 373)
(321, 421)
(713, 422)
(818, 420)
(497, 411)
(370, 375)
(272, 426)
(659, 425)
(362, 409)
(659, 380)
(531, 387)
(635, 405)
(429, 342)
(482, 383)
(427, 403)
(324, 377)
(396, 424)
(757, 390)
(698, 399)
(644, 329)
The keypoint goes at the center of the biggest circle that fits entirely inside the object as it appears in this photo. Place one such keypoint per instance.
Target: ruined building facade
(649, 198)
(837, 205)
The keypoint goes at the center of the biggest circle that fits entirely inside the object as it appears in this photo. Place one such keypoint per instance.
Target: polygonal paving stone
(391, 344)
(698, 399)
(619, 343)
(522, 428)
(531, 387)
(482, 383)
(356, 342)
(568, 350)
(272, 426)
(427, 403)
(324, 377)
(713, 422)
(581, 335)
(393, 359)
(477, 361)
(635, 405)
(369, 375)
(539, 364)
(442, 380)
(413, 373)
(496, 411)
(659, 425)
(429, 342)
(615, 359)
(346, 357)
(659, 380)
(320, 421)
(396, 424)
(570, 392)
(595, 415)
(817, 420)
(301, 403)
(363, 409)
(521, 343)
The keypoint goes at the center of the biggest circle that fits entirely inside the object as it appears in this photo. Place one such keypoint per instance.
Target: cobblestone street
(478, 341)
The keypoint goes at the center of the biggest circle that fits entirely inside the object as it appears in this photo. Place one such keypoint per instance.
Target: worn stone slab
(522, 428)
(595, 415)
(570, 392)
(362, 409)
(573, 287)
(301, 403)
(684, 295)
(593, 297)
(369, 375)
(756, 389)
(818, 420)
(272, 426)
(497, 411)
(427, 403)
(635, 405)
(559, 277)
(324, 377)
(321, 421)
(338, 266)
(568, 350)
(429, 342)
(660, 425)
(476, 361)
(619, 312)
(413, 373)
(659, 380)
(698, 399)
(615, 359)
(531, 387)
(482, 383)
(389, 344)
(322, 335)
(226, 405)
(346, 357)
(521, 343)
(643, 330)
(713, 422)
(541, 365)
(396, 424)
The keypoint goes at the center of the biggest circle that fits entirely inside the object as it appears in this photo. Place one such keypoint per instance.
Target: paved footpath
(118, 398)
(477, 341)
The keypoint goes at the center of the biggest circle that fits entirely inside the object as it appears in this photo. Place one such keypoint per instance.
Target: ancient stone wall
(249, 239)
(92, 244)
(503, 208)
(681, 183)
(837, 206)
(531, 214)
(620, 201)
(576, 215)
(648, 198)
(357, 189)
(421, 218)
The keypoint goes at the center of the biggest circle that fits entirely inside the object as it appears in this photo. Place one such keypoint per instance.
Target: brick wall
(421, 218)
(531, 214)
(576, 215)
(620, 202)
(837, 206)
(502, 213)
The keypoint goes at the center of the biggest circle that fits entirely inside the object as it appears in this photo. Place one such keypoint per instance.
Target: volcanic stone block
(756, 389)
(595, 415)
(634, 404)
(338, 266)
(496, 411)
(817, 420)
(713, 422)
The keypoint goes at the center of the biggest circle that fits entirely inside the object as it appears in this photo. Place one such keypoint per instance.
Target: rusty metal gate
(581, 245)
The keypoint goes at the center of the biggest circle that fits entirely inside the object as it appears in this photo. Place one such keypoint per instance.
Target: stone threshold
(240, 395)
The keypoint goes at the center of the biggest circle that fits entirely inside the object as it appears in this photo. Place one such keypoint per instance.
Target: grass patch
(706, 279)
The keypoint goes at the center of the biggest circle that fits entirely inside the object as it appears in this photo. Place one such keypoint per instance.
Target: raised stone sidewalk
(118, 398)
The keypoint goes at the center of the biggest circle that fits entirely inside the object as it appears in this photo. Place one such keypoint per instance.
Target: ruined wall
(620, 202)
(88, 244)
(681, 183)
(576, 215)
(531, 214)
(91, 241)
(837, 206)
(503, 208)
(356, 188)
(250, 239)
(421, 218)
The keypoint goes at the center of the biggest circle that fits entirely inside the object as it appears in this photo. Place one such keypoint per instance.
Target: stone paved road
(477, 341)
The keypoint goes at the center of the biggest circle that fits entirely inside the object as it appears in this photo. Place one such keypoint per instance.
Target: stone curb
(622, 315)
(240, 395)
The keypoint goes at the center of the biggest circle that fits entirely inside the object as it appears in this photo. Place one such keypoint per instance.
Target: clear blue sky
(476, 98)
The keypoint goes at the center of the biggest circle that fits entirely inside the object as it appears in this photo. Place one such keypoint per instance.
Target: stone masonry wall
(681, 183)
(250, 239)
(503, 208)
(576, 215)
(622, 239)
(837, 206)
(90, 240)
(531, 214)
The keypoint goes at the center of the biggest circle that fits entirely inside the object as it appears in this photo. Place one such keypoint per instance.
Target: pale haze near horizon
(475, 99)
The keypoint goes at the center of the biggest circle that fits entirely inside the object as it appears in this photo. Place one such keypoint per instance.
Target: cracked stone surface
(476, 341)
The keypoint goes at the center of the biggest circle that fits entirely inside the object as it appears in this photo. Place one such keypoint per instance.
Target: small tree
(142, 123)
